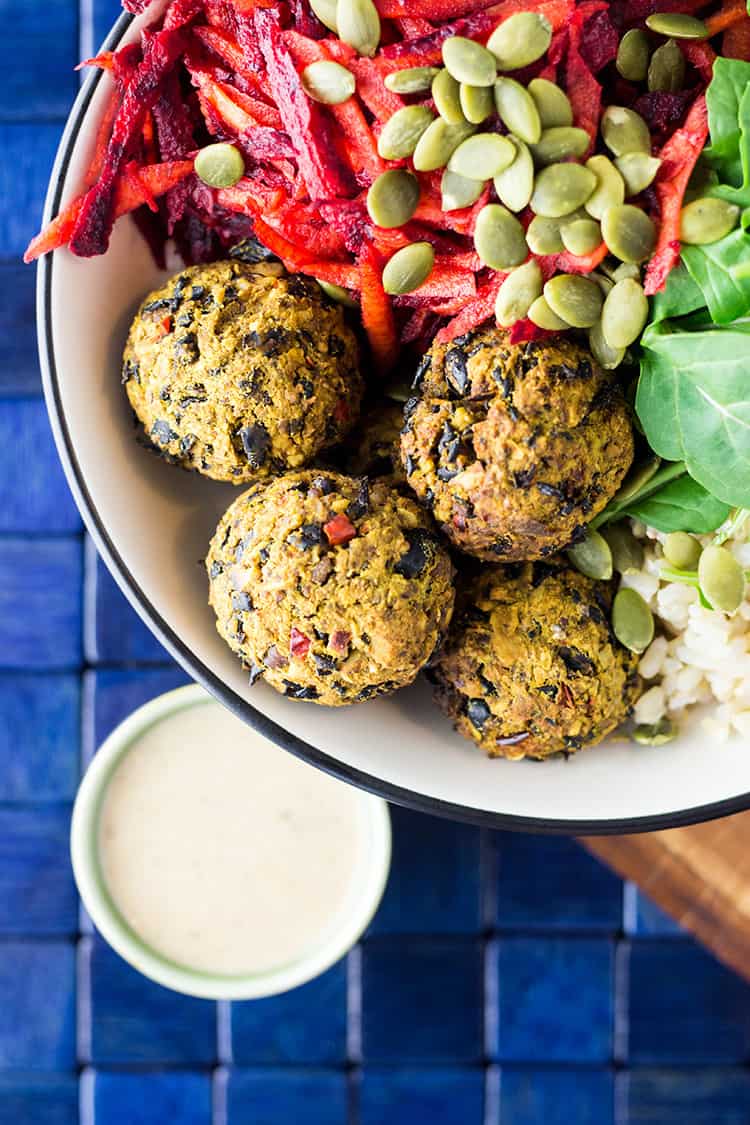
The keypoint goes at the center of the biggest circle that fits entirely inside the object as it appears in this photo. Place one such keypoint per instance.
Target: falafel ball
(238, 371)
(514, 447)
(332, 589)
(373, 448)
(531, 667)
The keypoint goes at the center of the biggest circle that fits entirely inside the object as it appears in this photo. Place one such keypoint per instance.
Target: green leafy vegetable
(728, 120)
(693, 402)
(681, 505)
(720, 271)
(680, 296)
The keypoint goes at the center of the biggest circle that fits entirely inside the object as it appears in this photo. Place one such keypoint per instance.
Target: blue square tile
(550, 882)
(136, 1021)
(434, 884)
(442, 1096)
(37, 1006)
(39, 736)
(684, 1097)
(19, 362)
(643, 918)
(40, 1099)
(37, 60)
(39, 500)
(422, 1000)
(682, 1005)
(119, 636)
(41, 589)
(306, 1025)
(106, 12)
(537, 1096)
(26, 157)
(118, 692)
(555, 999)
(286, 1097)
(152, 1099)
(37, 892)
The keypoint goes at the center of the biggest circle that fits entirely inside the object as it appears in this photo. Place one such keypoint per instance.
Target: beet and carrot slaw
(231, 70)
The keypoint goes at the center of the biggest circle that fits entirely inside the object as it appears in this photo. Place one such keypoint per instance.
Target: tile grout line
(86, 46)
(492, 1080)
(354, 1005)
(224, 1051)
(84, 1002)
(86, 1111)
(90, 653)
(491, 991)
(219, 1084)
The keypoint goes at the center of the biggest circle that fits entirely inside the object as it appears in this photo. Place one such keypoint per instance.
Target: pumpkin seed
(575, 299)
(413, 80)
(542, 315)
(638, 170)
(220, 165)
(401, 132)
(469, 62)
(561, 188)
(517, 110)
(438, 143)
(552, 103)
(607, 357)
(721, 578)
(637, 478)
(610, 186)
(337, 293)
(544, 236)
(446, 96)
(626, 269)
(515, 184)
(393, 198)
(632, 620)
(677, 25)
(632, 55)
(581, 237)
(627, 551)
(499, 238)
(520, 40)
(624, 314)
(358, 25)
(655, 734)
(707, 220)
(408, 268)
(459, 191)
(605, 283)
(666, 71)
(681, 550)
(483, 156)
(592, 556)
(518, 292)
(477, 103)
(624, 130)
(559, 142)
(628, 232)
(328, 82)
(325, 10)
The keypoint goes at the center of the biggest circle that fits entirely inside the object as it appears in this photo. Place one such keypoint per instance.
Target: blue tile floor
(506, 980)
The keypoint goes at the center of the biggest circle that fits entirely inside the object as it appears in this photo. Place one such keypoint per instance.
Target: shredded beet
(232, 70)
(599, 41)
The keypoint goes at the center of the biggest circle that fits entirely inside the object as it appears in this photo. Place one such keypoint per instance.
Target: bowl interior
(153, 522)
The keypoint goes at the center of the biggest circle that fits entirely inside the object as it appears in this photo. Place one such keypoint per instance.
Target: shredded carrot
(377, 312)
(726, 17)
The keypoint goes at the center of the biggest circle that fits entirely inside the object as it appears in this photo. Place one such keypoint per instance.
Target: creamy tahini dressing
(224, 853)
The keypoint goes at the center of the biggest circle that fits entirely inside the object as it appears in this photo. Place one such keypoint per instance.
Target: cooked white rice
(699, 655)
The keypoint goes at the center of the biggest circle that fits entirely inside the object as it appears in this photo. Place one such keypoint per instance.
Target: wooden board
(700, 875)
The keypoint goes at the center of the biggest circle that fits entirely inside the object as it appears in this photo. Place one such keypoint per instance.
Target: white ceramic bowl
(370, 881)
(152, 524)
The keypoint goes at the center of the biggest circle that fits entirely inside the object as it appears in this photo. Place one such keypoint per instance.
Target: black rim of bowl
(187, 659)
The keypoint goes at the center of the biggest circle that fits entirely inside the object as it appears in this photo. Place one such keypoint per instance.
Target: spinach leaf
(680, 296)
(693, 402)
(728, 119)
(681, 505)
(720, 270)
